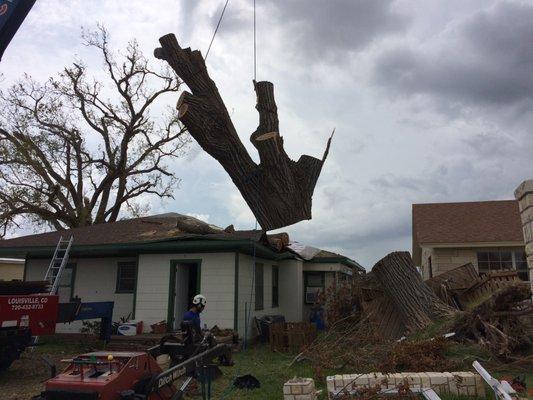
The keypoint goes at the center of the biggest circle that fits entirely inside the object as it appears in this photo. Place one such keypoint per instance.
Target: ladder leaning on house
(58, 263)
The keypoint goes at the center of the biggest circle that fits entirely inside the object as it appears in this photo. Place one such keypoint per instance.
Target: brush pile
(357, 346)
(502, 323)
(368, 316)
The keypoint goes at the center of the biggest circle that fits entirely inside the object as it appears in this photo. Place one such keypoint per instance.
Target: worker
(198, 304)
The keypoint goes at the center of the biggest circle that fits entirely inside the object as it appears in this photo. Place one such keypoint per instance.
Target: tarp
(303, 250)
(12, 14)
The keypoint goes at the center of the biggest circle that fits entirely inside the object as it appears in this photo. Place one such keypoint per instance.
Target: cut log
(415, 301)
(278, 190)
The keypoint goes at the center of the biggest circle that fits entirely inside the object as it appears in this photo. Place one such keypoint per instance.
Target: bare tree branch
(75, 150)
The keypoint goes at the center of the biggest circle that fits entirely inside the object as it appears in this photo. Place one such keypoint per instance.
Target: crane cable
(247, 318)
(216, 29)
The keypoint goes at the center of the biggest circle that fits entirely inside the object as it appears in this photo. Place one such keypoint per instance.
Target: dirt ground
(25, 377)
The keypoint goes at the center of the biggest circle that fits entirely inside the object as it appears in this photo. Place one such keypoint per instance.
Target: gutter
(341, 260)
(198, 246)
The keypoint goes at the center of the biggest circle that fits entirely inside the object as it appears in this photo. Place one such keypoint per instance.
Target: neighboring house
(11, 268)
(151, 269)
(487, 234)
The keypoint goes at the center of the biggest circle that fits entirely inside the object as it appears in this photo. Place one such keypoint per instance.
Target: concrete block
(299, 386)
(457, 383)
(425, 380)
(305, 397)
(414, 380)
(330, 383)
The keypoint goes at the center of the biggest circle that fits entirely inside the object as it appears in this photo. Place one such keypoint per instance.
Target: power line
(216, 29)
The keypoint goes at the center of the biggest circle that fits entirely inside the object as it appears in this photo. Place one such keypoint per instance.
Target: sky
(432, 101)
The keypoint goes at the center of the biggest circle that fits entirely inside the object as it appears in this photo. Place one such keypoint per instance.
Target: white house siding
(95, 280)
(217, 283)
(290, 291)
(330, 278)
(447, 258)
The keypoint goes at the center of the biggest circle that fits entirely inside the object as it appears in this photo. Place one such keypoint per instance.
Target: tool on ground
(502, 389)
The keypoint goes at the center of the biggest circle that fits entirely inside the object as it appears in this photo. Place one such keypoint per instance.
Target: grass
(270, 368)
(24, 379)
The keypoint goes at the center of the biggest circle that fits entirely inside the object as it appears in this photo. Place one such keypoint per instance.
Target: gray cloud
(317, 29)
(333, 27)
(484, 60)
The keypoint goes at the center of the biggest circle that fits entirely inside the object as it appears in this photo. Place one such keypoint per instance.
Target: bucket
(127, 329)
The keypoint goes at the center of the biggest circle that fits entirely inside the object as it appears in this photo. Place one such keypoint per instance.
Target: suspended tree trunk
(413, 299)
(279, 190)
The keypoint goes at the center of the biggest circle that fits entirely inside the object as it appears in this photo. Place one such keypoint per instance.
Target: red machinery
(136, 375)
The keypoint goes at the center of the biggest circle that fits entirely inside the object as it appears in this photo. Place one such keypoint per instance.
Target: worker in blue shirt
(198, 304)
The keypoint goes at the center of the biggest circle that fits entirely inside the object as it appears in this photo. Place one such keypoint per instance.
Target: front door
(184, 285)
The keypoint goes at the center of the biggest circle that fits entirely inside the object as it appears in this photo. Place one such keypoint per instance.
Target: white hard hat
(199, 300)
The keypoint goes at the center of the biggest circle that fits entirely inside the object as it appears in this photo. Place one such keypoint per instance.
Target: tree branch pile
(501, 323)
(278, 190)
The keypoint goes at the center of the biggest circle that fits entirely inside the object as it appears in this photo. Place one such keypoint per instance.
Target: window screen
(259, 287)
(521, 265)
(126, 275)
(275, 286)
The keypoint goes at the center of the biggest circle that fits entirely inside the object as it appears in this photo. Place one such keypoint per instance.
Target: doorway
(184, 285)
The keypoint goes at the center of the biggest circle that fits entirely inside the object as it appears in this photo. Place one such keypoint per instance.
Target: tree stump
(414, 300)
(278, 190)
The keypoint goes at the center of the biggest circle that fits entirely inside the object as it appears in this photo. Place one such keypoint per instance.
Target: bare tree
(76, 150)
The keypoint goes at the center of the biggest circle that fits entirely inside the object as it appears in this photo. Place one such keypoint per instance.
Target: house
(151, 268)
(11, 268)
(487, 234)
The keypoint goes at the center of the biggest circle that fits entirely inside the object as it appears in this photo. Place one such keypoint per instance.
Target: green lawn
(272, 369)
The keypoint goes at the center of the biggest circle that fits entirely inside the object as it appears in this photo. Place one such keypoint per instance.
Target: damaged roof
(467, 222)
(171, 231)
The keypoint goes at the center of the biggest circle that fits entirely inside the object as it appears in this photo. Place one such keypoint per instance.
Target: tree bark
(279, 190)
(413, 299)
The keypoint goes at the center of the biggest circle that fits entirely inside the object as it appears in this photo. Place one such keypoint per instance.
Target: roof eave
(103, 250)
(509, 243)
(341, 260)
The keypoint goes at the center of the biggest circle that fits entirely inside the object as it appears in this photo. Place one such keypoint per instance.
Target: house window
(521, 265)
(259, 287)
(313, 285)
(65, 289)
(502, 260)
(126, 276)
(275, 286)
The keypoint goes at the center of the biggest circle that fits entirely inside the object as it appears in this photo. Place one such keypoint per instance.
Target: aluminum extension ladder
(58, 263)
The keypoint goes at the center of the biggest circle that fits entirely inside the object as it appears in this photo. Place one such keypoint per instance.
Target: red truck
(21, 317)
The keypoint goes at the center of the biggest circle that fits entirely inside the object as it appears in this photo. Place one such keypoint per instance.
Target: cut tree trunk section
(414, 300)
(279, 190)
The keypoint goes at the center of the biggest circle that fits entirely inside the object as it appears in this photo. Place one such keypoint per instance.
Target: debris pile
(500, 323)
(358, 346)
(367, 317)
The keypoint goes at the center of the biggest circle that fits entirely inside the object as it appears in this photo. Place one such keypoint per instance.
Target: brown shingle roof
(157, 228)
(136, 230)
(481, 221)
(470, 222)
